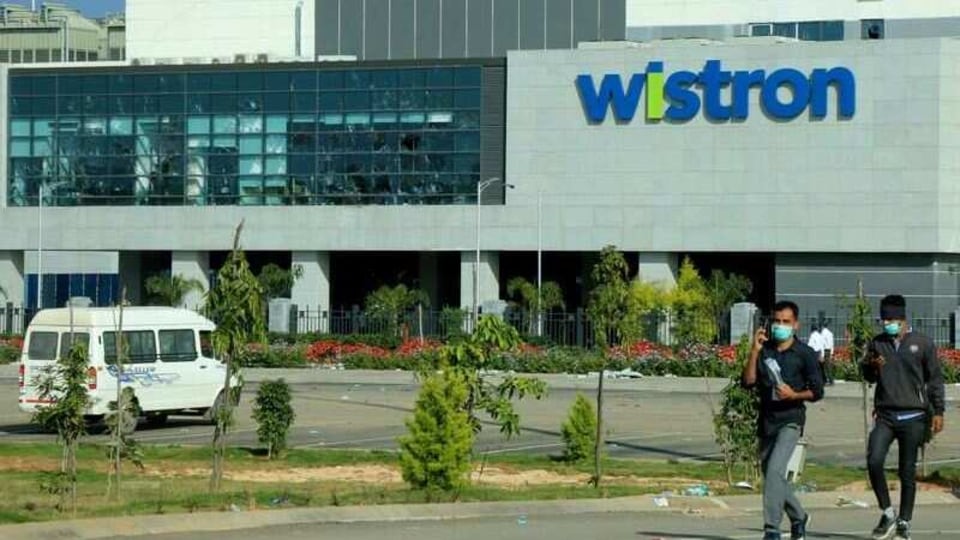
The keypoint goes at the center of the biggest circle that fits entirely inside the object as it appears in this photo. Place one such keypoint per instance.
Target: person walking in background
(815, 342)
(826, 338)
(908, 402)
(786, 374)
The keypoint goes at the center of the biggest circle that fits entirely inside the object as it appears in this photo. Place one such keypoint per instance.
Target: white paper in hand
(774, 369)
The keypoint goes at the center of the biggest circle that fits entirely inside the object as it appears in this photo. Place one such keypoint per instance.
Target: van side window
(206, 343)
(79, 338)
(141, 347)
(177, 346)
(42, 346)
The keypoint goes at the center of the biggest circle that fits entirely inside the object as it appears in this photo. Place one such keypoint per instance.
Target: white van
(171, 366)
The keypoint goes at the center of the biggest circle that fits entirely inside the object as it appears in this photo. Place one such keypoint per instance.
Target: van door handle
(203, 366)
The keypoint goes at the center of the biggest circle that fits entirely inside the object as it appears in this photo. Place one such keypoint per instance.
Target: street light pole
(476, 268)
(40, 248)
(540, 262)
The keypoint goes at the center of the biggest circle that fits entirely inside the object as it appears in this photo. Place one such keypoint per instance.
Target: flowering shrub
(10, 349)
(327, 351)
(413, 347)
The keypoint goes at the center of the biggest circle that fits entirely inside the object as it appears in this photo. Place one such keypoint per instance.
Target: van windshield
(42, 346)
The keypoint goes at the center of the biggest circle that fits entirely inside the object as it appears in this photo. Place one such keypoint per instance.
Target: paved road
(651, 418)
(931, 522)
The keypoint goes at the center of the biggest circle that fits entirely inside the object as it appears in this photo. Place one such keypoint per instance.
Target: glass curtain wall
(245, 137)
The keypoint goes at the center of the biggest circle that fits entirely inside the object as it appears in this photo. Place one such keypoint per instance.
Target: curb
(88, 529)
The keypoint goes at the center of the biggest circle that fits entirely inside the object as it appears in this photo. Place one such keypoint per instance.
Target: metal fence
(940, 329)
(559, 328)
(14, 319)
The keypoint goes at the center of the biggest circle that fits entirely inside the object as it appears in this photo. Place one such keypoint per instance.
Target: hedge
(644, 358)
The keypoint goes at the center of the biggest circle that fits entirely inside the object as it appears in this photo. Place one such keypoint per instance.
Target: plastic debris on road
(743, 484)
(845, 501)
(622, 374)
(661, 502)
(699, 490)
(522, 520)
(809, 487)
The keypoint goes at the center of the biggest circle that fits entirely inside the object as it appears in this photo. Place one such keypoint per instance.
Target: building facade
(56, 33)
(368, 29)
(806, 166)
(806, 20)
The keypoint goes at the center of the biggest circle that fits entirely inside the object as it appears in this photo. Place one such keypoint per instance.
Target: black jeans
(827, 366)
(909, 436)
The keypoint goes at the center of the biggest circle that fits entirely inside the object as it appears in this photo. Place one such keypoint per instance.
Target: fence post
(8, 318)
(293, 325)
(580, 329)
(355, 320)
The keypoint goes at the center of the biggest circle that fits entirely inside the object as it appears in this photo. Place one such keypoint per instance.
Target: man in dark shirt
(908, 401)
(787, 374)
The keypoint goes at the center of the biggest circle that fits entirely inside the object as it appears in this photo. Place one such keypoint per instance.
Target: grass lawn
(175, 480)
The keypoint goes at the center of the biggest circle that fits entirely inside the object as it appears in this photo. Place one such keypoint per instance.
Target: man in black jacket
(787, 374)
(909, 399)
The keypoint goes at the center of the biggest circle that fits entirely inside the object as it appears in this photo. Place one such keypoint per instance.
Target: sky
(90, 8)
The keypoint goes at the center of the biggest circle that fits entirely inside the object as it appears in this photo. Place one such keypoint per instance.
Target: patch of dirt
(382, 474)
(861, 486)
(28, 464)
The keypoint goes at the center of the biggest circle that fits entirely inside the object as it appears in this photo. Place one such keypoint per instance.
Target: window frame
(177, 357)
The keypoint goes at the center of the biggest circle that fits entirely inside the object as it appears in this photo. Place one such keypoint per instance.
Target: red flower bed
(321, 351)
(727, 354)
(641, 350)
(15, 342)
(412, 347)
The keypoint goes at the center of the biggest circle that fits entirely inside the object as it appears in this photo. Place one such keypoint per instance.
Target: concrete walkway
(236, 521)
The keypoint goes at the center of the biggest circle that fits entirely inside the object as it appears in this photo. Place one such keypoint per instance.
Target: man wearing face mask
(908, 401)
(787, 374)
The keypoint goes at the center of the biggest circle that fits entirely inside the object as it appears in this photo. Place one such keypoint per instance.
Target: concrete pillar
(312, 291)
(11, 277)
(131, 276)
(659, 267)
(489, 278)
(429, 278)
(192, 265)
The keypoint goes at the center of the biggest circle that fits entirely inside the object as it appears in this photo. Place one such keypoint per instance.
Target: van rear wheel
(210, 416)
(157, 419)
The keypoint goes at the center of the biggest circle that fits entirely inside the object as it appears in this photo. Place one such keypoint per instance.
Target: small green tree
(278, 282)
(646, 303)
(389, 304)
(235, 305)
(274, 414)
(609, 311)
(735, 425)
(861, 332)
(723, 291)
(123, 416)
(65, 386)
(532, 303)
(472, 356)
(690, 303)
(167, 290)
(579, 431)
(435, 454)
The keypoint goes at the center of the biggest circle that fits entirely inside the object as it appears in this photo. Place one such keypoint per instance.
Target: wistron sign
(784, 94)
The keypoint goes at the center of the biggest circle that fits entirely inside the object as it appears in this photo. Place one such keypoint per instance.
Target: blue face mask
(892, 328)
(782, 332)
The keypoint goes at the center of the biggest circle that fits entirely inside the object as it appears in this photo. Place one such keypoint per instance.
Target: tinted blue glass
(276, 81)
(31, 299)
(304, 102)
(146, 83)
(440, 77)
(171, 103)
(250, 81)
(76, 285)
(44, 85)
(90, 286)
(223, 82)
(357, 80)
(303, 80)
(145, 104)
(468, 76)
(21, 85)
(411, 78)
(198, 82)
(331, 80)
(277, 102)
(95, 84)
(223, 103)
(121, 83)
(71, 84)
(198, 103)
(120, 104)
(62, 289)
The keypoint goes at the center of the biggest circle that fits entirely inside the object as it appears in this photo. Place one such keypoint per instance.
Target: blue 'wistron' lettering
(783, 94)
